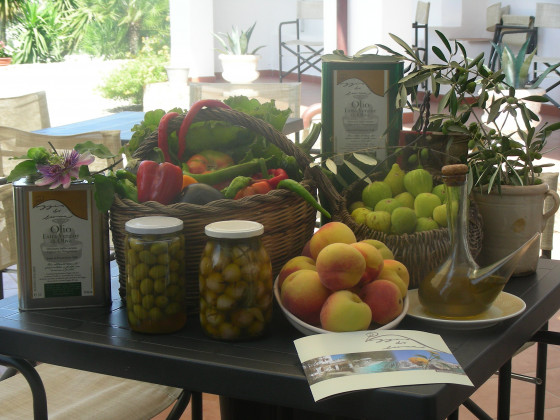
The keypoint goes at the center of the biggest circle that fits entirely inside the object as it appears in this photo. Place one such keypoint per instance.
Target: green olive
(205, 265)
(147, 257)
(173, 308)
(158, 248)
(159, 285)
(135, 296)
(132, 318)
(136, 244)
(162, 301)
(215, 283)
(174, 265)
(158, 271)
(163, 259)
(147, 286)
(148, 302)
(155, 314)
(140, 312)
(132, 257)
(140, 271)
(231, 273)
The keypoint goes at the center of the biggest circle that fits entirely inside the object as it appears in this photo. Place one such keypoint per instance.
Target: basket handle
(260, 127)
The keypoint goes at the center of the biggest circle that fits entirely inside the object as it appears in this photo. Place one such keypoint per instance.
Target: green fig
(418, 181)
(375, 192)
(395, 179)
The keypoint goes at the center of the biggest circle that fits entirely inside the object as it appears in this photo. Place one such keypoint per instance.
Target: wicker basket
(420, 252)
(288, 220)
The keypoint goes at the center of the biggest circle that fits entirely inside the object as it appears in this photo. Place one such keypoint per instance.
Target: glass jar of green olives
(155, 266)
(235, 280)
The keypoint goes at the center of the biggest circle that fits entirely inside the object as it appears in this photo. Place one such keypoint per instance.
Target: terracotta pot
(511, 219)
(4, 61)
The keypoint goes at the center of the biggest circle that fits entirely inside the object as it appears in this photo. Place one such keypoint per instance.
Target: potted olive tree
(503, 165)
(239, 64)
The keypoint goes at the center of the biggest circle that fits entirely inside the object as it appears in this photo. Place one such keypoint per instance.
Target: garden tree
(39, 32)
(8, 11)
(142, 17)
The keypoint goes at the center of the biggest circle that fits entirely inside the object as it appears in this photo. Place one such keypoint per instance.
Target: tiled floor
(486, 396)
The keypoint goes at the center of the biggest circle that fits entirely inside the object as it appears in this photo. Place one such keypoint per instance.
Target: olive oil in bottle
(459, 288)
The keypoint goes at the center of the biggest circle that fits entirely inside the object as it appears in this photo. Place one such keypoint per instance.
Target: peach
(384, 299)
(374, 262)
(385, 251)
(340, 266)
(392, 276)
(306, 251)
(345, 311)
(328, 234)
(303, 295)
(295, 264)
(400, 269)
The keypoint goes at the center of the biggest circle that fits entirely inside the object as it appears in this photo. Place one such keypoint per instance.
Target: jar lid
(154, 225)
(234, 229)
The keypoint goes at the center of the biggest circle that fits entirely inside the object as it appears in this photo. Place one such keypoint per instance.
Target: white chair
(27, 112)
(513, 31)
(291, 44)
(421, 23)
(547, 16)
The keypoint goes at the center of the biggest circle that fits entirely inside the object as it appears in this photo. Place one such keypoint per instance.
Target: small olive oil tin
(63, 247)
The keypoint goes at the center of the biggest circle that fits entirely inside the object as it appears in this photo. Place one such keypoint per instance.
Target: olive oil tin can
(63, 247)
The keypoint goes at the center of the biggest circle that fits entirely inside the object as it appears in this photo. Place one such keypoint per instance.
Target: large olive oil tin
(63, 247)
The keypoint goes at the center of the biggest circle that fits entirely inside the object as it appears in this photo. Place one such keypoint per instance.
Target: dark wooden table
(266, 370)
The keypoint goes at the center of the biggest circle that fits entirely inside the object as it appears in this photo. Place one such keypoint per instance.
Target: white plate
(504, 307)
(309, 329)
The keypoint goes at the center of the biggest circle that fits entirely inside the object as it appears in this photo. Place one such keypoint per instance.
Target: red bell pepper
(277, 176)
(187, 121)
(162, 134)
(161, 182)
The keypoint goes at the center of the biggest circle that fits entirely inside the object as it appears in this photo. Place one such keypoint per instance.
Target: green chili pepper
(237, 184)
(225, 174)
(124, 174)
(129, 189)
(297, 188)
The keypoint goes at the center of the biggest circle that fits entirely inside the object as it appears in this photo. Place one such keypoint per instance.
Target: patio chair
(513, 31)
(547, 16)
(306, 51)
(71, 393)
(15, 143)
(421, 24)
(27, 112)
(75, 394)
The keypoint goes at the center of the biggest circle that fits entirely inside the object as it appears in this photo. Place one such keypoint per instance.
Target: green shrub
(128, 81)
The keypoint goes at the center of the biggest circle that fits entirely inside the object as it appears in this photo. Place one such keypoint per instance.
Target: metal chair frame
(308, 53)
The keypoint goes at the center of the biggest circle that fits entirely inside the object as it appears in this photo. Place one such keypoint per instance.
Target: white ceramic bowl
(309, 329)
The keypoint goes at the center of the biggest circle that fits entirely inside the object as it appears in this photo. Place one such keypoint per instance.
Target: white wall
(369, 22)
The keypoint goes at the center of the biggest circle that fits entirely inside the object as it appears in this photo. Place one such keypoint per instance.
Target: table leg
(504, 391)
(542, 350)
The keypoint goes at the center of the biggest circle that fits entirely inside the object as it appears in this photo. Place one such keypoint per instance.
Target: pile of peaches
(340, 284)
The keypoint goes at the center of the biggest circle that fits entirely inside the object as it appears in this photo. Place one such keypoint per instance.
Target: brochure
(341, 362)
